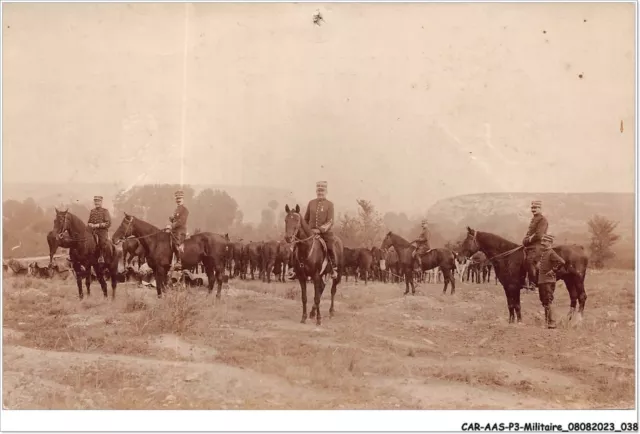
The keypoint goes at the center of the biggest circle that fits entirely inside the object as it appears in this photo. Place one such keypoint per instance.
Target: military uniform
(532, 241)
(422, 242)
(320, 215)
(100, 216)
(550, 261)
(179, 227)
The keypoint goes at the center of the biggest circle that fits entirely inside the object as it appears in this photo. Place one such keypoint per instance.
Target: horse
(365, 263)
(131, 248)
(311, 261)
(445, 260)
(393, 265)
(283, 257)
(84, 253)
(205, 247)
(350, 262)
(254, 255)
(405, 259)
(377, 257)
(269, 254)
(236, 255)
(509, 264)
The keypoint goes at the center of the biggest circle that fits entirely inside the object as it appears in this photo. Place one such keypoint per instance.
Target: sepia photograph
(319, 206)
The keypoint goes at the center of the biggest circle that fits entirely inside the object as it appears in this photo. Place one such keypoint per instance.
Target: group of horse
(306, 253)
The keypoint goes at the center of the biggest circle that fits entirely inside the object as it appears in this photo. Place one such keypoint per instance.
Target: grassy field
(248, 350)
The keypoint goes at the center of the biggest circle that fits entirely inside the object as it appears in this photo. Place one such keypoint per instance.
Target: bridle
(128, 232)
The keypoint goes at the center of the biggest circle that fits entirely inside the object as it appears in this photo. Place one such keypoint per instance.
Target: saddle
(325, 254)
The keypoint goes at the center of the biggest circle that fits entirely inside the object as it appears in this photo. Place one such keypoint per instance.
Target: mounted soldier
(422, 242)
(533, 241)
(319, 216)
(99, 223)
(178, 228)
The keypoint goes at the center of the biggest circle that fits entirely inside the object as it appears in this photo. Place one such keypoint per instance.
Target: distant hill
(251, 199)
(508, 215)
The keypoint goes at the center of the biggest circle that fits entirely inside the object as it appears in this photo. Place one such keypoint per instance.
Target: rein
(131, 237)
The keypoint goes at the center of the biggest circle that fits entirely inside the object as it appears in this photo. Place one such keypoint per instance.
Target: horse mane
(145, 225)
(398, 238)
(77, 221)
(497, 241)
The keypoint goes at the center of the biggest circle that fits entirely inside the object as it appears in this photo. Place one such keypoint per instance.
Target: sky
(403, 103)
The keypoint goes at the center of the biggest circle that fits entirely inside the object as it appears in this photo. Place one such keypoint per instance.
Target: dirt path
(381, 350)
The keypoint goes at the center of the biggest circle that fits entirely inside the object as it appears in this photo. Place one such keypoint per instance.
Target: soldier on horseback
(533, 241)
(422, 242)
(178, 228)
(99, 223)
(319, 216)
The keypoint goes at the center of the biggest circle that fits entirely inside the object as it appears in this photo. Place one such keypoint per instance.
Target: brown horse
(204, 246)
(308, 261)
(405, 260)
(269, 255)
(84, 253)
(132, 248)
(508, 260)
(445, 260)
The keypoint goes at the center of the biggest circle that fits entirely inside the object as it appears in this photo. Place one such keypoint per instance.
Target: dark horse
(203, 246)
(405, 260)
(440, 257)
(131, 248)
(308, 258)
(508, 260)
(83, 252)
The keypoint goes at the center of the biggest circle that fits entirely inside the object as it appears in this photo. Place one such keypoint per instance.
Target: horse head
(387, 242)
(61, 223)
(470, 243)
(124, 230)
(292, 223)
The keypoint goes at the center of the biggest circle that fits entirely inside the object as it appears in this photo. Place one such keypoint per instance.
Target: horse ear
(297, 208)
(57, 212)
(287, 209)
(469, 230)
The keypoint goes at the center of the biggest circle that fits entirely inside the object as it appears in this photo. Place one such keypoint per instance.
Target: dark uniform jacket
(537, 228)
(319, 215)
(423, 238)
(179, 220)
(550, 261)
(101, 217)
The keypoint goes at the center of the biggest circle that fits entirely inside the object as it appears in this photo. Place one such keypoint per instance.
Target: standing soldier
(99, 223)
(422, 242)
(178, 228)
(550, 262)
(319, 216)
(533, 239)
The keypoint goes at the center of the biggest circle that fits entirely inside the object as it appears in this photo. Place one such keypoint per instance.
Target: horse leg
(160, 283)
(318, 286)
(87, 281)
(334, 289)
(407, 277)
(582, 296)
(303, 287)
(78, 272)
(516, 299)
(103, 283)
(219, 274)
(114, 281)
(510, 306)
(452, 279)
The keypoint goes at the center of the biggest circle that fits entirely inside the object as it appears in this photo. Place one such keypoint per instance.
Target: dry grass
(248, 350)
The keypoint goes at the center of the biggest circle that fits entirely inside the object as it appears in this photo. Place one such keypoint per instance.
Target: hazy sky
(405, 103)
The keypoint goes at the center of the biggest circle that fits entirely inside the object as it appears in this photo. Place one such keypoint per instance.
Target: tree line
(25, 224)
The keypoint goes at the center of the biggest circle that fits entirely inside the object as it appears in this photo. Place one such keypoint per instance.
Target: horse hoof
(303, 320)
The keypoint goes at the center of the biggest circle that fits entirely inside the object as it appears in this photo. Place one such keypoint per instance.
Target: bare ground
(381, 350)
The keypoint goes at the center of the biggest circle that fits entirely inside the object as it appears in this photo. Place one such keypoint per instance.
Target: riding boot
(546, 315)
(178, 265)
(333, 261)
(551, 322)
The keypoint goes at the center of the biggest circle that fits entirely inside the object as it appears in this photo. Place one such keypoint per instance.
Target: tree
(348, 229)
(273, 204)
(213, 210)
(602, 240)
(370, 224)
(153, 203)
